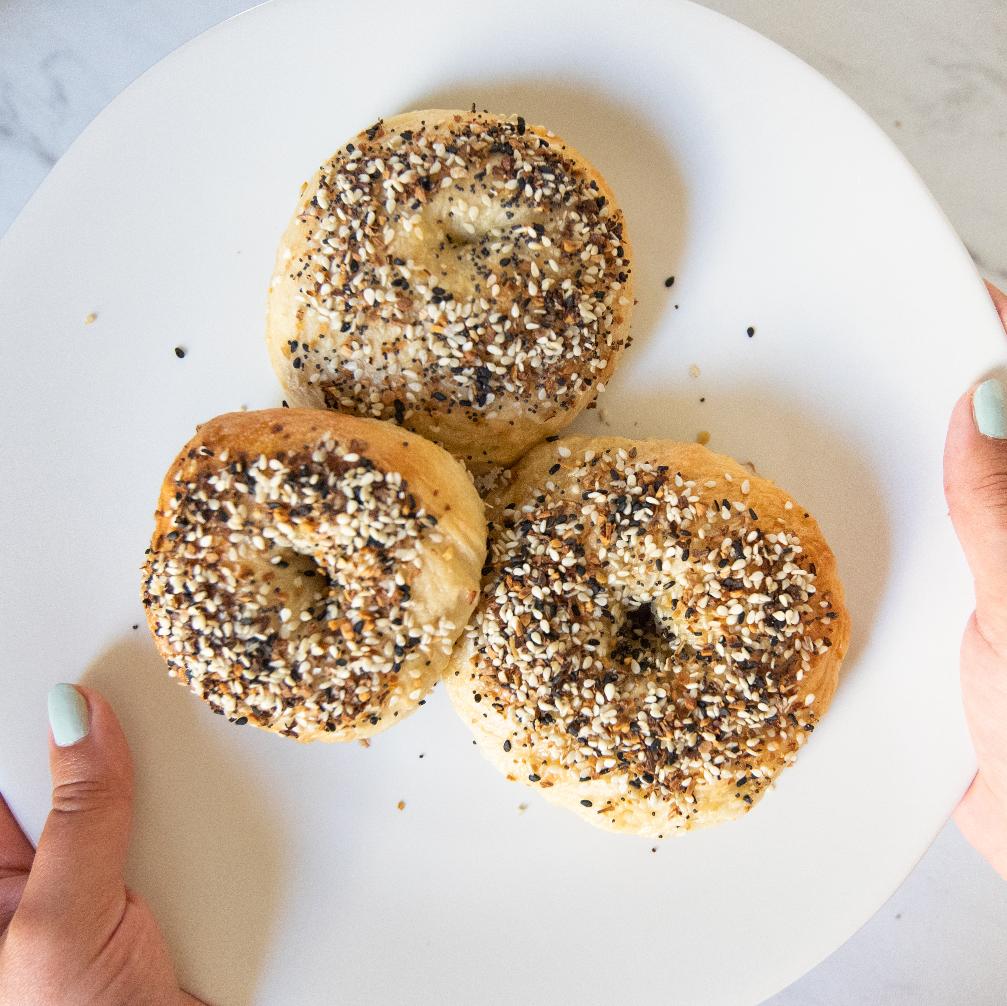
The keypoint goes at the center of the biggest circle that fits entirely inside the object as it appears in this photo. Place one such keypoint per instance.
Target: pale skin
(975, 483)
(73, 934)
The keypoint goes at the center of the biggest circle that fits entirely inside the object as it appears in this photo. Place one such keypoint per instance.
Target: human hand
(71, 933)
(975, 483)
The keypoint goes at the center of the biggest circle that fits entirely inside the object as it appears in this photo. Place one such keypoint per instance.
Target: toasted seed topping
(283, 586)
(638, 625)
(464, 265)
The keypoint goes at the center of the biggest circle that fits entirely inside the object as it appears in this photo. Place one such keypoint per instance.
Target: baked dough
(309, 572)
(658, 633)
(466, 275)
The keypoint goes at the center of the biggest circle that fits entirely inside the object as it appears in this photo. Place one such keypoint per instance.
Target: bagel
(658, 633)
(465, 275)
(309, 572)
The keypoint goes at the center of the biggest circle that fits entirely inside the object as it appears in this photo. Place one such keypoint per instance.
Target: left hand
(71, 932)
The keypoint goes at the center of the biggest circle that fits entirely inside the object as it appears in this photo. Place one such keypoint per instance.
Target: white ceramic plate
(285, 874)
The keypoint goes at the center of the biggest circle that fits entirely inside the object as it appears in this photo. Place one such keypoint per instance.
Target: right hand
(975, 482)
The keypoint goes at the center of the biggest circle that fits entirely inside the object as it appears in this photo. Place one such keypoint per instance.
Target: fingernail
(68, 715)
(989, 405)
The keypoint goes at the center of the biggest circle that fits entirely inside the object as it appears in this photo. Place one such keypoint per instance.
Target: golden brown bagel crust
(483, 313)
(675, 717)
(309, 571)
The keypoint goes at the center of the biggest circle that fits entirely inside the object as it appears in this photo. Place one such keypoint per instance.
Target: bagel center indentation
(293, 583)
(470, 220)
(644, 647)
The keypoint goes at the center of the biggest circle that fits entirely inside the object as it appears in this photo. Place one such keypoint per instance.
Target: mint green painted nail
(989, 404)
(68, 715)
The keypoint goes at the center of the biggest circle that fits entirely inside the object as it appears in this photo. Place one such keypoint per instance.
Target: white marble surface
(932, 73)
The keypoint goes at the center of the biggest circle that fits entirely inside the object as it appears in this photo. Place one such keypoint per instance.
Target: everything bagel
(309, 572)
(465, 275)
(659, 632)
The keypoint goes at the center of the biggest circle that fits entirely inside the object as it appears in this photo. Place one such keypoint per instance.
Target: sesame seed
(494, 200)
(583, 643)
(328, 637)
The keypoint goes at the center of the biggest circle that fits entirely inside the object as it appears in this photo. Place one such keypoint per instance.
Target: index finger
(16, 852)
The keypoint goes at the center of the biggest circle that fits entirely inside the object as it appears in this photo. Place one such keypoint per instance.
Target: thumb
(76, 882)
(975, 483)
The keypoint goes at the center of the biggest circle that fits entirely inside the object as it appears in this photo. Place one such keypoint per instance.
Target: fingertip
(102, 715)
(85, 728)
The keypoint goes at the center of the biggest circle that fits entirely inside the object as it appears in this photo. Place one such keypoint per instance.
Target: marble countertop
(932, 74)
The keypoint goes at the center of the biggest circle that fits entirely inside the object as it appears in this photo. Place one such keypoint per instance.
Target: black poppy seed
(546, 518)
(354, 188)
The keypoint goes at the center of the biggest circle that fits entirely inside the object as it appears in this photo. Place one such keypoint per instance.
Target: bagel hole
(297, 580)
(643, 636)
(452, 216)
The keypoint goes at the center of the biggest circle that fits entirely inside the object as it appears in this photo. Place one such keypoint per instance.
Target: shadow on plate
(797, 449)
(204, 832)
(630, 154)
